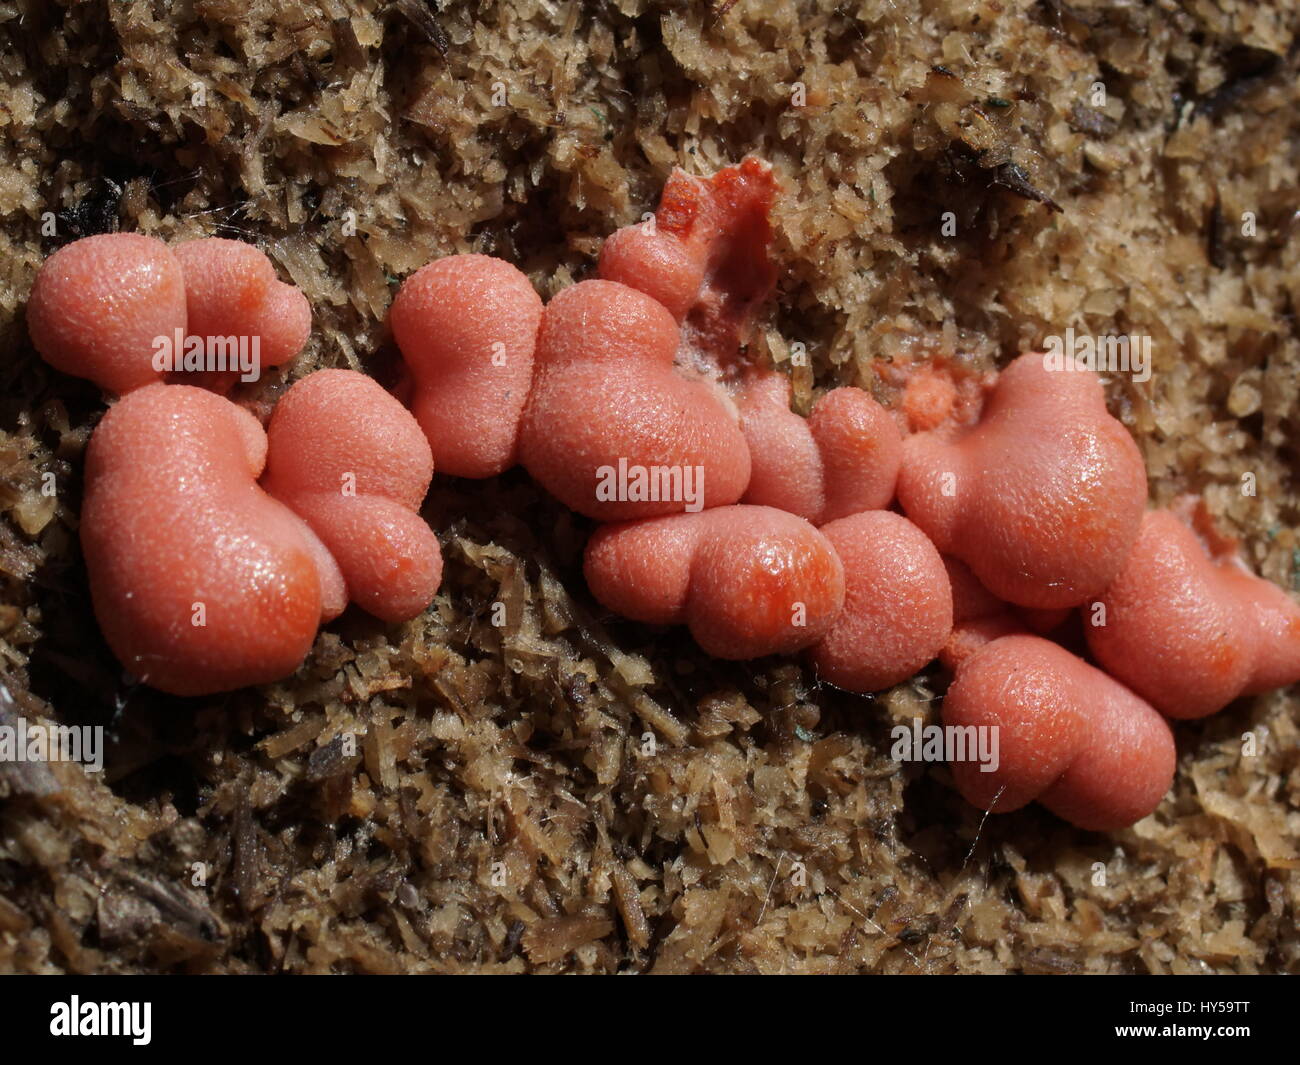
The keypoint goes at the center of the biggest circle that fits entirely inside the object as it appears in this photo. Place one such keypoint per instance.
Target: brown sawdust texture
(504, 809)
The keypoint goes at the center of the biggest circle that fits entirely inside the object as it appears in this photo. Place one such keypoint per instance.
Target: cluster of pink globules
(217, 548)
(630, 398)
